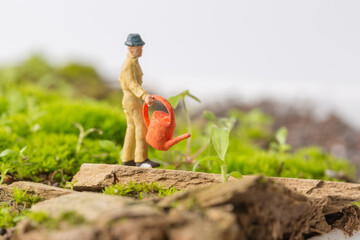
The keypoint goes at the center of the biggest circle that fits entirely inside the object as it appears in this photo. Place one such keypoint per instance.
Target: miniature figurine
(135, 149)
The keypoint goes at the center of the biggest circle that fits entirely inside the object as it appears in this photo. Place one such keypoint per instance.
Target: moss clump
(139, 190)
(69, 218)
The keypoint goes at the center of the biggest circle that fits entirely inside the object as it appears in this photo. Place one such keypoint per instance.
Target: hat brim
(127, 43)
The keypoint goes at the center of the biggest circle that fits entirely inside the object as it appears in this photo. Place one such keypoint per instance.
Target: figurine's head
(134, 43)
(135, 51)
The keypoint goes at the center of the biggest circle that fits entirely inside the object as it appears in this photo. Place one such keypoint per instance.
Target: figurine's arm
(133, 84)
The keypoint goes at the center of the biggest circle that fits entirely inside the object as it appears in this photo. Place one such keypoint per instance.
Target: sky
(245, 50)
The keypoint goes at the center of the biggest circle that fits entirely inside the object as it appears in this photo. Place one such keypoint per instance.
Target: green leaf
(23, 150)
(281, 135)
(7, 152)
(174, 101)
(274, 146)
(193, 97)
(209, 115)
(234, 174)
(108, 145)
(220, 140)
(285, 147)
(227, 122)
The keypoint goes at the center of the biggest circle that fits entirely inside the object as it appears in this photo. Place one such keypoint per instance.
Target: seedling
(3, 171)
(21, 161)
(281, 146)
(83, 134)
(71, 184)
(21, 197)
(175, 100)
(220, 141)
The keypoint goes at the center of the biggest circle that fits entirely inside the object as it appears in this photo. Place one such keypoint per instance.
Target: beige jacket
(131, 77)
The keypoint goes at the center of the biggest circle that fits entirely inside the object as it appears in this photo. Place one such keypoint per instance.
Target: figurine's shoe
(148, 164)
(129, 163)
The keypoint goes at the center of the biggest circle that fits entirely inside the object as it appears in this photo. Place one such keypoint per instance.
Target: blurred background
(295, 60)
(244, 50)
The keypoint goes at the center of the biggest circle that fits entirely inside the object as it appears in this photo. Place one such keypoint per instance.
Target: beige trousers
(135, 146)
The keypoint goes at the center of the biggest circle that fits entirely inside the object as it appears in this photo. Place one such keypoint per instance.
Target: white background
(290, 50)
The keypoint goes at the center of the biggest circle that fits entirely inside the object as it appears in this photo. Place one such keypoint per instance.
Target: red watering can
(161, 127)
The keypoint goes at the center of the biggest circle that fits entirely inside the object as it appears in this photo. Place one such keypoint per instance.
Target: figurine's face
(136, 51)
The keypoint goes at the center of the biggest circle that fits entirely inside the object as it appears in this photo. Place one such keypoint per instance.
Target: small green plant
(220, 141)
(83, 135)
(280, 146)
(3, 171)
(20, 162)
(9, 216)
(175, 100)
(21, 197)
(139, 190)
(71, 184)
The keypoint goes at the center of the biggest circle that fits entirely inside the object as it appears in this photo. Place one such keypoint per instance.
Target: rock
(253, 207)
(95, 206)
(42, 190)
(337, 194)
(94, 177)
(254, 199)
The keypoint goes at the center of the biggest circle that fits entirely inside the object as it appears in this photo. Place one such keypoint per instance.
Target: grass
(16, 208)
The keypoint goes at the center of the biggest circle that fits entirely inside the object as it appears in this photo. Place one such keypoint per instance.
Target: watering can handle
(165, 103)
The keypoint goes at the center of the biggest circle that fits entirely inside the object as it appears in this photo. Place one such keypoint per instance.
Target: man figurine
(135, 149)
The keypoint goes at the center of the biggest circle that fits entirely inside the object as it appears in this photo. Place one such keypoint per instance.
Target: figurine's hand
(149, 100)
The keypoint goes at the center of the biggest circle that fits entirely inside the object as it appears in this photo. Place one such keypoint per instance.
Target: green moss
(9, 216)
(139, 190)
(61, 115)
(42, 219)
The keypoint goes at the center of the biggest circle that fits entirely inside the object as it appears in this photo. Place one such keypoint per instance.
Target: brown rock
(42, 190)
(94, 177)
(97, 206)
(253, 207)
(337, 194)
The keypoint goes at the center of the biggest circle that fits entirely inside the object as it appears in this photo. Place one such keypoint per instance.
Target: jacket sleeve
(133, 85)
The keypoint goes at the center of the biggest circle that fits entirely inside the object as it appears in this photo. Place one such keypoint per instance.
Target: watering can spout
(174, 141)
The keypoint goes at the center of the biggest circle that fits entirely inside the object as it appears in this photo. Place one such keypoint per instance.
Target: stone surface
(94, 177)
(337, 194)
(42, 190)
(253, 207)
(94, 206)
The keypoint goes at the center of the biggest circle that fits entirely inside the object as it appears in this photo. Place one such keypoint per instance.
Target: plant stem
(188, 121)
(223, 173)
(80, 141)
(200, 151)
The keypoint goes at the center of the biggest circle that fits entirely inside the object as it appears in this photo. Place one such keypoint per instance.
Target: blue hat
(134, 39)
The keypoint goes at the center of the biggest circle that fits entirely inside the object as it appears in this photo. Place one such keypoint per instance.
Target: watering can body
(161, 127)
